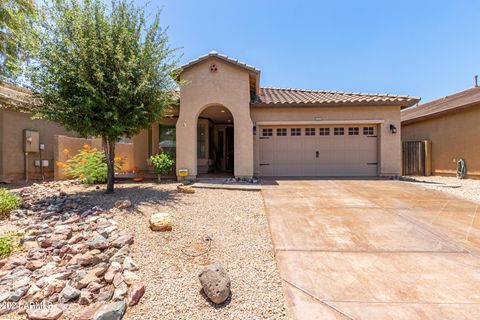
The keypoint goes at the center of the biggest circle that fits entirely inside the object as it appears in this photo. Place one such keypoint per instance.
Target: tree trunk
(109, 148)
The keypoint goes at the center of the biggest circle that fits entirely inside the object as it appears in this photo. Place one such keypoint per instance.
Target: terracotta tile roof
(222, 57)
(13, 96)
(435, 108)
(292, 97)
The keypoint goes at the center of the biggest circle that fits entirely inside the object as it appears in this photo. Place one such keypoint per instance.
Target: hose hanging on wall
(461, 169)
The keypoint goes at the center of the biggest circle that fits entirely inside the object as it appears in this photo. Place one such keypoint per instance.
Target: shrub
(8, 243)
(89, 165)
(162, 162)
(8, 202)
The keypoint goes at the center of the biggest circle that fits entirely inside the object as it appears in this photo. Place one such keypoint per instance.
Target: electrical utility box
(31, 141)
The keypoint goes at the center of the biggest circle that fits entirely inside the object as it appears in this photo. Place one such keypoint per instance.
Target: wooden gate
(414, 158)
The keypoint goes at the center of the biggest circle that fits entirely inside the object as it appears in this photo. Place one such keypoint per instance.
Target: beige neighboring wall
(12, 157)
(389, 144)
(73, 145)
(228, 86)
(454, 135)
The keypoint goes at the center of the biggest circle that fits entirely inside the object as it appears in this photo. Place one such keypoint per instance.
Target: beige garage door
(318, 151)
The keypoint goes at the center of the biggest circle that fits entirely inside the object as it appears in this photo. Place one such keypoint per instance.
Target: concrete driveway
(374, 249)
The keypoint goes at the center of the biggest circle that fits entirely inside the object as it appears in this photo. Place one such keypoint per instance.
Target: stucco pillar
(186, 144)
(243, 145)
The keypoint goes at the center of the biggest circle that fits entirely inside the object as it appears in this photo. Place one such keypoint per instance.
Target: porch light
(393, 129)
(223, 111)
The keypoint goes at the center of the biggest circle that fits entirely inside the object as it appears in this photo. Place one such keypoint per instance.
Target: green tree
(103, 70)
(17, 36)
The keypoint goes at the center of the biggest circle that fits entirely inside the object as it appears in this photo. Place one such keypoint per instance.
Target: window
(368, 131)
(281, 132)
(267, 132)
(353, 131)
(167, 137)
(338, 131)
(324, 131)
(296, 132)
(310, 131)
(201, 139)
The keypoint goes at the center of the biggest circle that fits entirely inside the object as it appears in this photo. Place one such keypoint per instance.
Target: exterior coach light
(393, 129)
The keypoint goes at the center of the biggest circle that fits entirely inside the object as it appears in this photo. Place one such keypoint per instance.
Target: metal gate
(413, 158)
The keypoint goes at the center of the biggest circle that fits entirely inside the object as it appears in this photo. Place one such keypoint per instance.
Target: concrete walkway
(374, 249)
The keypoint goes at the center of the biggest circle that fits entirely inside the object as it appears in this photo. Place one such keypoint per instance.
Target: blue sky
(424, 47)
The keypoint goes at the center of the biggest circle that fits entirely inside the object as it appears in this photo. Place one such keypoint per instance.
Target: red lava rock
(135, 293)
(34, 264)
(123, 240)
(44, 314)
(88, 312)
(15, 262)
(94, 286)
(75, 239)
(86, 298)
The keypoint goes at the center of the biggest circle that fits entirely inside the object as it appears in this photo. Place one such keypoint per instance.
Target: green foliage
(103, 70)
(8, 243)
(88, 165)
(17, 36)
(162, 162)
(8, 202)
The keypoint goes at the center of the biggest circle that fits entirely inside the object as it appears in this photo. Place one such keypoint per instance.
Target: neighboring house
(452, 124)
(14, 120)
(227, 123)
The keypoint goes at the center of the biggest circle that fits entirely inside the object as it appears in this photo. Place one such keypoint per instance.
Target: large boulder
(161, 222)
(215, 283)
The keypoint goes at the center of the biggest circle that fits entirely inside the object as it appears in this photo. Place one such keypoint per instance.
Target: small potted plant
(162, 163)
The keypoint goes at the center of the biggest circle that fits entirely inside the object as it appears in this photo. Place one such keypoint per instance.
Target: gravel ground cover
(225, 226)
(465, 188)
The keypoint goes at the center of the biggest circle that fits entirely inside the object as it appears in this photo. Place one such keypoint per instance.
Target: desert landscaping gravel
(210, 226)
(465, 188)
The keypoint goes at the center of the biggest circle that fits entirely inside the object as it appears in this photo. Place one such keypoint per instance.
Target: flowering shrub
(8, 202)
(89, 165)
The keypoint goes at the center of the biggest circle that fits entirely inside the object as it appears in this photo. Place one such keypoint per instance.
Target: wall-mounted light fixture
(393, 129)
(254, 130)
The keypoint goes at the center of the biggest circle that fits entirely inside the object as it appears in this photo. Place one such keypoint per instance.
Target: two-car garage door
(337, 150)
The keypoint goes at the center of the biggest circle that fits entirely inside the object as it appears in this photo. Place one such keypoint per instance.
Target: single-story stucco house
(227, 123)
(452, 125)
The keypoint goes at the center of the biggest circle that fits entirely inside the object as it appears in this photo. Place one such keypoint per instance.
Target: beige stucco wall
(453, 136)
(12, 158)
(389, 144)
(229, 87)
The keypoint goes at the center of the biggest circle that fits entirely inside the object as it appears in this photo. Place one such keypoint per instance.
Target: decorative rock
(68, 293)
(185, 189)
(215, 282)
(123, 240)
(129, 264)
(44, 314)
(88, 312)
(111, 311)
(120, 255)
(114, 268)
(15, 262)
(123, 204)
(117, 279)
(34, 264)
(135, 293)
(99, 242)
(130, 277)
(86, 298)
(120, 292)
(105, 294)
(94, 286)
(161, 222)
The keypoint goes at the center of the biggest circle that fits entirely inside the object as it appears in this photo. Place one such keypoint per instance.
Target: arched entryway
(215, 142)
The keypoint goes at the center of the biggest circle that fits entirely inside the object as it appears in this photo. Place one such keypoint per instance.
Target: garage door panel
(338, 155)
